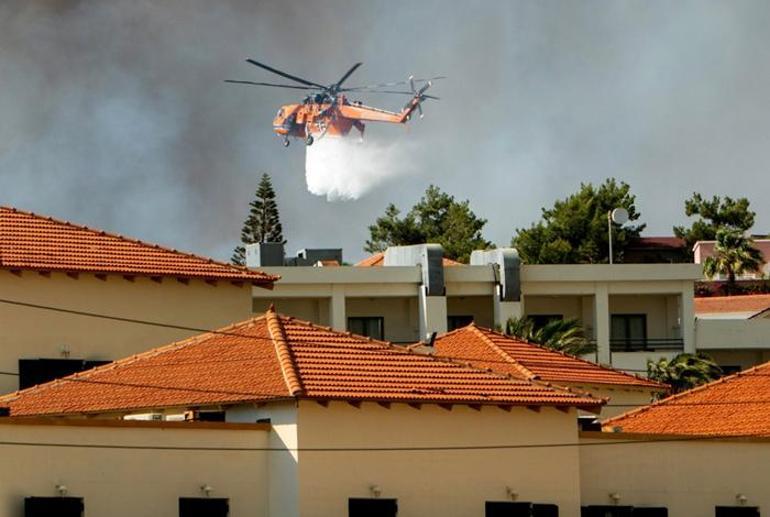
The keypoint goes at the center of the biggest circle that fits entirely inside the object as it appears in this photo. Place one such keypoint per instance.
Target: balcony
(646, 344)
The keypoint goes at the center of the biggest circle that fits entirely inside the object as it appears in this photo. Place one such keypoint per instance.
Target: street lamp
(618, 216)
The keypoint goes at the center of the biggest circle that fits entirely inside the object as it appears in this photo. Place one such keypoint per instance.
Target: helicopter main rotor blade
(395, 83)
(397, 93)
(284, 74)
(271, 84)
(347, 74)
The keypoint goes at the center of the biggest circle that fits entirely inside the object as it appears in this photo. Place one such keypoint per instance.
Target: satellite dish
(619, 216)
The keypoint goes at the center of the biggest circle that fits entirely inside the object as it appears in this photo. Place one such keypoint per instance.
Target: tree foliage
(574, 231)
(563, 335)
(684, 371)
(714, 214)
(734, 255)
(436, 218)
(263, 223)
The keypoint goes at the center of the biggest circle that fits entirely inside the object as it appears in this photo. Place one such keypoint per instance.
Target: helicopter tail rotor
(418, 96)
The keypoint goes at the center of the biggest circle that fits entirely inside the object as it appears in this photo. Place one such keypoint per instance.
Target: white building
(632, 311)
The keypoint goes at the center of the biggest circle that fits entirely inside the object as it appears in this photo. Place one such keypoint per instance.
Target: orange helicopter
(327, 110)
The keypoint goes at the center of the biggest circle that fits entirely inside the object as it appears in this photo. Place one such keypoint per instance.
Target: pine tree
(263, 223)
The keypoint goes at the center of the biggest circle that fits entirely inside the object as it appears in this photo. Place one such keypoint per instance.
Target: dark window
(606, 511)
(210, 416)
(458, 322)
(39, 371)
(541, 320)
(650, 512)
(519, 509)
(730, 369)
(360, 507)
(50, 506)
(203, 507)
(628, 331)
(368, 326)
(737, 511)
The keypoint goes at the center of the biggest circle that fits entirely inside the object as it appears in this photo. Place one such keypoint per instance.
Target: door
(507, 509)
(363, 507)
(203, 507)
(50, 506)
(606, 511)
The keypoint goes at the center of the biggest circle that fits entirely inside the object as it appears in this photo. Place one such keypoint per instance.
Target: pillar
(602, 324)
(687, 316)
(337, 316)
(433, 315)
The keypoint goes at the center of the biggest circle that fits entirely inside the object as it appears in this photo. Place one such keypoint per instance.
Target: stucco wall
(480, 307)
(446, 483)
(690, 478)
(620, 399)
(36, 333)
(133, 482)
(400, 315)
(662, 312)
(308, 309)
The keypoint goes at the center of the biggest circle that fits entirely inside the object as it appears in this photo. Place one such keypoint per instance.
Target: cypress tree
(263, 223)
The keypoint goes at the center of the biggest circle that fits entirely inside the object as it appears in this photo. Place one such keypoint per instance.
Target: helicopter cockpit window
(280, 113)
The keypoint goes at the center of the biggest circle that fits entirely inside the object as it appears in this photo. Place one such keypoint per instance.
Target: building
(632, 311)
(704, 249)
(56, 276)
(734, 330)
(355, 427)
(699, 453)
(485, 348)
(650, 250)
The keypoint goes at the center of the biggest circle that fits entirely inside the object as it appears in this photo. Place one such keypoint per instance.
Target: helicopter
(327, 109)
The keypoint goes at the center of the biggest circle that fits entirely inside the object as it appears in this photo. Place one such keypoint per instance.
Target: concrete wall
(37, 333)
(662, 312)
(480, 307)
(133, 482)
(690, 478)
(741, 358)
(401, 323)
(723, 334)
(446, 483)
(620, 399)
(308, 309)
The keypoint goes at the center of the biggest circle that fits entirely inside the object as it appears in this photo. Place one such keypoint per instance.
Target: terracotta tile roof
(378, 260)
(32, 241)
(276, 357)
(485, 348)
(752, 305)
(738, 405)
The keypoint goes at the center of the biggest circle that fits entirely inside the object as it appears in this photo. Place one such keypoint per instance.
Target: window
(39, 371)
(361, 507)
(541, 320)
(458, 322)
(58, 506)
(628, 331)
(368, 326)
(519, 509)
(650, 512)
(203, 507)
(737, 511)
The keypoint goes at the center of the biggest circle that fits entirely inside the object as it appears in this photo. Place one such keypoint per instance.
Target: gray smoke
(115, 114)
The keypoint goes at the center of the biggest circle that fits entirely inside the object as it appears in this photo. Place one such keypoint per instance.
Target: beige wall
(37, 333)
(662, 312)
(620, 399)
(445, 483)
(133, 482)
(401, 315)
(308, 309)
(480, 307)
(742, 358)
(690, 478)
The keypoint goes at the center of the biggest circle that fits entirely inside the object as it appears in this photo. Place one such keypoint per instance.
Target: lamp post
(618, 216)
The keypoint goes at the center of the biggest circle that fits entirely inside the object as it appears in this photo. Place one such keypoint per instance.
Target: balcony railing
(646, 344)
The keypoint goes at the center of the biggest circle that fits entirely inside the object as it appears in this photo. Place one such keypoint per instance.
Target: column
(433, 314)
(602, 323)
(687, 316)
(503, 311)
(338, 318)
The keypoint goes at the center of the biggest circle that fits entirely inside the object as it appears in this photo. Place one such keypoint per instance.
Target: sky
(115, 114)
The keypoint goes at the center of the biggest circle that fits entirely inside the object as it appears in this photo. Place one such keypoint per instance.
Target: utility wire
(439, 448)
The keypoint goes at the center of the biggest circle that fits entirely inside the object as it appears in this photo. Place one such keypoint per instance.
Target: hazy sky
(114, 114)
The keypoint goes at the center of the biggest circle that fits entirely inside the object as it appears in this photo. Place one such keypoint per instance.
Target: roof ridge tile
(283, 351)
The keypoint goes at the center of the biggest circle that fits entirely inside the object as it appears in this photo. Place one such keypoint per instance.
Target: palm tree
(561, 335)
(684, 371)
(734, 255)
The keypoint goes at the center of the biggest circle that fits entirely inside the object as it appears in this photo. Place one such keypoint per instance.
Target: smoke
(346, 168)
